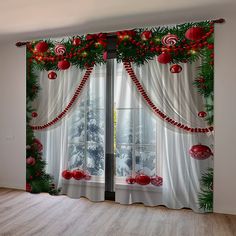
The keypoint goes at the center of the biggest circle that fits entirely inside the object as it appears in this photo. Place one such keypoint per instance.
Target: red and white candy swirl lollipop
(169, 39)
(59, 49)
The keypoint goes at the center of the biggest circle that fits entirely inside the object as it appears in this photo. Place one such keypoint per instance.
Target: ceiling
(30, 19)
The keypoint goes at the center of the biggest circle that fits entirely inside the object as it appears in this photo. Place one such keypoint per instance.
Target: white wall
(225, 117)
(12, 116)
(12, 125)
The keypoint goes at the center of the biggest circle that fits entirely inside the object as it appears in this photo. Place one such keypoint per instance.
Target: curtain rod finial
(220, 21)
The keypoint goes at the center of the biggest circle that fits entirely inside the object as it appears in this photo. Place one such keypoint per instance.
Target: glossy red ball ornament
(175, 69)
(146, 35)
(76, 41)
(41, 47)
(202, 114)
(194, 33)
(30, 161)
(200, 152)
(63, 65)
(210, 46)
(142, 179)
(28, 187)
(157, 180)
(78, 174)
(130, 180)
(164, 58)
(52, 75)
(66, 174)
(34, 114)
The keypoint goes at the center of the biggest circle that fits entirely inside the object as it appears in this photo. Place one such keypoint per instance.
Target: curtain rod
(218, 21)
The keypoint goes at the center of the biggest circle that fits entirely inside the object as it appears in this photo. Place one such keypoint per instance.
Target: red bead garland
(73, 99)
(140, 88)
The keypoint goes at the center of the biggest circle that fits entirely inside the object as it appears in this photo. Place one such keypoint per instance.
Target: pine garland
(206, 195)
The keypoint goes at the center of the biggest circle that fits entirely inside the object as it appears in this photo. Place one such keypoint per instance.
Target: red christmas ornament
(157, 180)
(41, 47)
(142, 179)
(30, 161)
(200, 152)
(210, 46)
(66, 174)
(63, 65)
(130, 180)
(202, 114)
(76, 41)
(52, 75)
(194, 33)
(146, 35)
(175, 68)
(28, 187)
(34, 114)
(78, 174)
(38, 145)
(164, 58)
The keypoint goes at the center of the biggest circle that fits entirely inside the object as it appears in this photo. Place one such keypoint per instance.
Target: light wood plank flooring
(26, 214)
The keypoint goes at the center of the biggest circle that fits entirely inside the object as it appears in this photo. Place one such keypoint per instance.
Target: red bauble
(202, 114)
(63, 65)
(142, 179)
(28, 187)
(52, 75)
(146, 35)
(211, 46)
(78, 174)
(194, 33)
(38, 145)
(200, 152)
(66, 174)
(41, 47)
(130, 180)
(164, 58)
(175, 68)
(30, 161)
(76, 41)
(34, 114)
(157, 180)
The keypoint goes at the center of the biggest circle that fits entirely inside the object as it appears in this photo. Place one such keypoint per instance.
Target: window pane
(76, 125)
(76, 156)
(145, 159)
(123, 160)
(95, 125)
(124, 128)
(145, 127)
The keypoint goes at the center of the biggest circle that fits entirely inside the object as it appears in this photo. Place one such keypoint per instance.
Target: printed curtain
(163, 116)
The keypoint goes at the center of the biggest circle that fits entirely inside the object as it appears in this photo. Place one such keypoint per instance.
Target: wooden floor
(25, 214)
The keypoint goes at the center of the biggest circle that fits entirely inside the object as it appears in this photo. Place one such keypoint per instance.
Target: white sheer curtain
(146, 144)
(77, 141)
